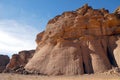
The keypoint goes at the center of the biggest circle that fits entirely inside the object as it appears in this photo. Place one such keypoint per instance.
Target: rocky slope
(78, 42)
(4, 60)
(18, 61)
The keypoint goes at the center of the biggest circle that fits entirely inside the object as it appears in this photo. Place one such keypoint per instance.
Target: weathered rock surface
(18, 61)
(78, 42)
(4, 60)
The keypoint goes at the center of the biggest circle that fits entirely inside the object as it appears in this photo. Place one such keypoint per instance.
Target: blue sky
(21, 20)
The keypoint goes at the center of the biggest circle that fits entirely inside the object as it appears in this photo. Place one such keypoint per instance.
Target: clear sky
(21, 20)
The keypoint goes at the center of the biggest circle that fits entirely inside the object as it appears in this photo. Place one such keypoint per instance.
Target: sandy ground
(4, 76)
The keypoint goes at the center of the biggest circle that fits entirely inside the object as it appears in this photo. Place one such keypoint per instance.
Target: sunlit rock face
(4, 60)
(78, 42)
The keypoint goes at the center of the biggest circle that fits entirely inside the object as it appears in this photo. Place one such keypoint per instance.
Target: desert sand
(104, 76)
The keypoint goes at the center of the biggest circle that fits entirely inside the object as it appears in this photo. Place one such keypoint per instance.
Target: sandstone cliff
(78, 42)
(4, 60)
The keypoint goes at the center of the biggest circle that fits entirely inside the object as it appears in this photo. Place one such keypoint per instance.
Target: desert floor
(4, 76)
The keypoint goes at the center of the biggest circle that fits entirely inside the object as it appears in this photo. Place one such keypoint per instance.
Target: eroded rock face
(19, 60)
(77, 42)
(4, 60)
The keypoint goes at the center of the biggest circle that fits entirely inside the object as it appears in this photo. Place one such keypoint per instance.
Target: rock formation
(19, 61)
(78, 42)
(4, 60)
(39, 37)
(117, 12)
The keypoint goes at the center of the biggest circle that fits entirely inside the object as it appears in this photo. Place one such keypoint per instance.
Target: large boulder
(19, 60)
(77, 42)
(4, 60)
